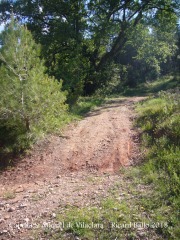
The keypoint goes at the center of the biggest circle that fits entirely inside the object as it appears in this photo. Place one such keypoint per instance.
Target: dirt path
(59, 171)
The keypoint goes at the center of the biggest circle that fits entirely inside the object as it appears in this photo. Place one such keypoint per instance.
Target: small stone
(26, 196)
(30, 238)
(21, 225)
(115, 209)
(19, 189)
(76, 238)
(141, 234)
(1, 220)
(4, 232)
(58, 176)
(11, 209)
(6, 217)
(32, 191)
(26, 220)
(53, 215)
(45, 214)
(122, 194)
(14, 201)
(140, 229)
(23, 205)
(2, 204)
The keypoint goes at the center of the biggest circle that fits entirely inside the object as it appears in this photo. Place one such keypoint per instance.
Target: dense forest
(90, 44)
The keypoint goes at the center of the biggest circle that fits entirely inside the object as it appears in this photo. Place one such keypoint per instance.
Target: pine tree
(29, 98)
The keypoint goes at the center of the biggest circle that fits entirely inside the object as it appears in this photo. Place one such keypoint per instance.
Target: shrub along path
(76, 169)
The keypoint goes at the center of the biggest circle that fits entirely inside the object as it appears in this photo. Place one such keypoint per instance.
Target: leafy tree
(59, 27)
(29, 99)
(92, 31)
(148, 55)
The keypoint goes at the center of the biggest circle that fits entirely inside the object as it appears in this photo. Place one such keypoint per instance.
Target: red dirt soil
(55, 169)
(102, 142)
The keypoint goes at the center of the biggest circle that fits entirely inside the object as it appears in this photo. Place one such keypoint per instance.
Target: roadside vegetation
(159, 119)
(32, 103)
(86, 104)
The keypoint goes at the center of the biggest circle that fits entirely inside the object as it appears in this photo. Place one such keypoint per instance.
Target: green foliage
(149, 88)
(86, 104)
(159, 120)
(148, 55)
(31, 103)
(81, 40)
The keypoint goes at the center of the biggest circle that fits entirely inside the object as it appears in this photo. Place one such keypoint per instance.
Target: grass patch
(86, 104)
(9, 195)
(132, 210)
(159, 120)
(153, 87)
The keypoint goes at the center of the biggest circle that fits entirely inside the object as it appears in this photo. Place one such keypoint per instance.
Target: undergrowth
(159, 120)
(147, 88)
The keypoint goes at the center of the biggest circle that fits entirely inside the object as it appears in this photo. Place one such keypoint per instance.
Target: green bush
(31, 103)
